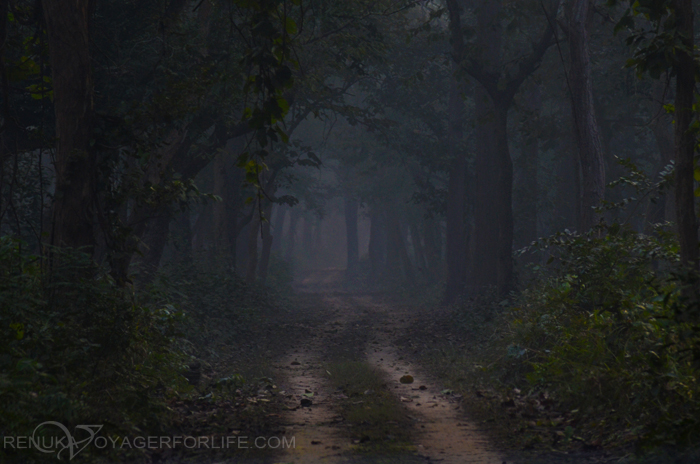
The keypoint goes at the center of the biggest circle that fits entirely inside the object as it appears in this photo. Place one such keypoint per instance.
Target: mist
(319, 231)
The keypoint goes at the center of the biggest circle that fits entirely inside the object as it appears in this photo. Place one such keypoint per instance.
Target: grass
(378, 422)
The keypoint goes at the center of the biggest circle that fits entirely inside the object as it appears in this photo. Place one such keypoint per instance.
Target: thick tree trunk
(485, 263)
(686, 219)
(504, 202)
(67, 24)
(456, 198)
(353, 261)
(526, 200)
(487, 177)
(663, 209)
(590, 148)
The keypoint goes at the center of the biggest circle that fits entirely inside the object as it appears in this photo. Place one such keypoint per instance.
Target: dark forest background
(167, 166)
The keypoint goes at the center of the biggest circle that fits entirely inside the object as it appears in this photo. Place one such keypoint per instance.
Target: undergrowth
(611, 327)
(76, 348)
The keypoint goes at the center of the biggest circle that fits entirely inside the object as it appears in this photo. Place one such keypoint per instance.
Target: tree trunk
(291, 235)
(253, 234)
(67, 24)
(486, 219)
(267, 241)
(222, 209)
(418, 250)
(403, 261)
(200, 228)
(663, 209)
(183, 240)
(377, 242)
(485, 263)
(590, 148)
(526, 200)
(456, 198)
(504, 202)
(684, 137)
(433, 253)
(278, 227)
(353, 261)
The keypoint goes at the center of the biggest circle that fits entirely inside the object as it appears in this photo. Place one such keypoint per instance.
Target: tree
(574, 21)
(664, 46)
(68, 27)
(685, 70)
(492, 263)
(456, 189)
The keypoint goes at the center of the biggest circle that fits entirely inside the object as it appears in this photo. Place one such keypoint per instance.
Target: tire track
(442, 433)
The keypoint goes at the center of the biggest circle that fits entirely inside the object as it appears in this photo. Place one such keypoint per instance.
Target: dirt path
(359, 328)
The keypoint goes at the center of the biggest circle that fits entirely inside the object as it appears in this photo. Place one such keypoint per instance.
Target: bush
(77, 349)
(610, 328)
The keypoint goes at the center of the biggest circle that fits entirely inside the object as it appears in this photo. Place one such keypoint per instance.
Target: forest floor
(354, 396)
(350, 382)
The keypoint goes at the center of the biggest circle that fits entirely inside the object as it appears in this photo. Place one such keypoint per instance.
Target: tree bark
(67, 24)
(486, 207)
(278, 227)
(253, 234)
(291, 235)
(267, 241)
(590, 147)
(377, 242)
(663, 209)
(183, 240)
(457, 253)
(223, 209)
(504, 202)
(433, 252)
(402, 260)
(686, 219)
(456, 198)
(526, 200)
(353, 261)
(493, 213)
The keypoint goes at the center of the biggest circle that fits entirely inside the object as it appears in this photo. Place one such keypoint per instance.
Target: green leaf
(291, 26)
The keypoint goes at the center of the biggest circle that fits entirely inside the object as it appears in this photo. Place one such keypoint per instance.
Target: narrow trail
(366, 331)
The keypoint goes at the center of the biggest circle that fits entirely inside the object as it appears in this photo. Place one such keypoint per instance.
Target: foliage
(603, 329)
(74, 348)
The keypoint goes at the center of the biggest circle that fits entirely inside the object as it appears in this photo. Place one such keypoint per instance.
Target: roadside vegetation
(180, 356)
(597, 353)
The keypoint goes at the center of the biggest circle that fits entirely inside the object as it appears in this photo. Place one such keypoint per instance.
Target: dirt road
(408, 416)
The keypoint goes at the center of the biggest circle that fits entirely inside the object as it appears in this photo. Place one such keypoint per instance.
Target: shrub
(610, 327)
(77, 349)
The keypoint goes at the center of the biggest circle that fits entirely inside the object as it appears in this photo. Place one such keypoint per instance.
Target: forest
(349, 231)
